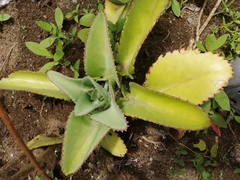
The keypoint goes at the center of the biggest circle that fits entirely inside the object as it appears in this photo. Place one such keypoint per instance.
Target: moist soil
(151, 150)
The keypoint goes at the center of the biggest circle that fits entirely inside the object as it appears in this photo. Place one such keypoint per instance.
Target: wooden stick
(20, 142)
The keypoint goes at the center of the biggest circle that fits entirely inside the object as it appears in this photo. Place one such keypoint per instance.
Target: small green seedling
(4, 17)
(175, 6)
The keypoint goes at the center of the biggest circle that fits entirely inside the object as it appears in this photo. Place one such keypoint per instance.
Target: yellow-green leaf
(114, 144)
(189, 75)
(201, 145)
(163, 109)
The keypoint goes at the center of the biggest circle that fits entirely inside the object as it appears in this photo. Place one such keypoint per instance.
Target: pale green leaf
(71, 86)
(45, 26)
(114, 144)
(98, 60)
(140, 21)
(59, 17)
(163, 109)
(4, 17)
(201, 145)
(176, 8)
(48, 66)
(81, 137)
(219, 42)
(111, 117)
(47, 42)
(38, 49)
(114, 11)
(87, 19)
(189, 75)
(200, 46)
(82, 34)
(32, 82)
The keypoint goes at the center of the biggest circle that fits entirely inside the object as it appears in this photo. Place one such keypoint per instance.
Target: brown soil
(32, 115)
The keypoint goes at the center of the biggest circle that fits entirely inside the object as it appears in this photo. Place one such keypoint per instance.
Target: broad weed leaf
(47, 42)
(223, 101)
(59, 18)
(200, 46)
(87, 19)
(82, 34)
(218, 120)
(219, 42)
(48, 66)
(38, 49)
(45, 26)
(176, 8)
(201, 145)
(189, 75)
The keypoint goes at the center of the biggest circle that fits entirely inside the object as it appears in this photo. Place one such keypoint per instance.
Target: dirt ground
(150, 149)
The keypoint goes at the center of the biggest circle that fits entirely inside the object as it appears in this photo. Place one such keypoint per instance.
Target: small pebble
(189, 20)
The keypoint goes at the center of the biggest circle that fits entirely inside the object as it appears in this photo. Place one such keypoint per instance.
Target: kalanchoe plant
(175, 85)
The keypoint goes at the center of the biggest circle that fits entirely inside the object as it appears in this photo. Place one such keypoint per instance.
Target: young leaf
(213, 150)
(218, 120)
(140, 21)
(200, 46)
(219, 42)
(32, 82)
(114, 144)
(98, 53)
(222, 99)
(45, 26)
(176, 75)
(38, 49)
(176, 8)
(4, 17)
(48, 66)
(82, 135)
(163, 109)
(59, 17)
(47, 42)
(114, 11)
(82, 34)
(201, 145)
(87, 19)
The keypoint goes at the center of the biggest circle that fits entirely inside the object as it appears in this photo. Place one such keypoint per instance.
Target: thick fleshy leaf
(111, 117)
(34, 82)
(41, 141)
(189, 75)
(98, 59)
(114, 144)
(81, 137)
(140, 21)
(72, 87)
(163, 109)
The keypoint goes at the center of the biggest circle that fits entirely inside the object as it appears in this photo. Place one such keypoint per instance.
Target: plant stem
(20, 142)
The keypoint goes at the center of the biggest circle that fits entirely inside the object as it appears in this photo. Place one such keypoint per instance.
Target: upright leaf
(81, 137)
(98, 53)
(59, 17)
(189, 75)
(163, 109)
(140, 21)
(32, 82)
